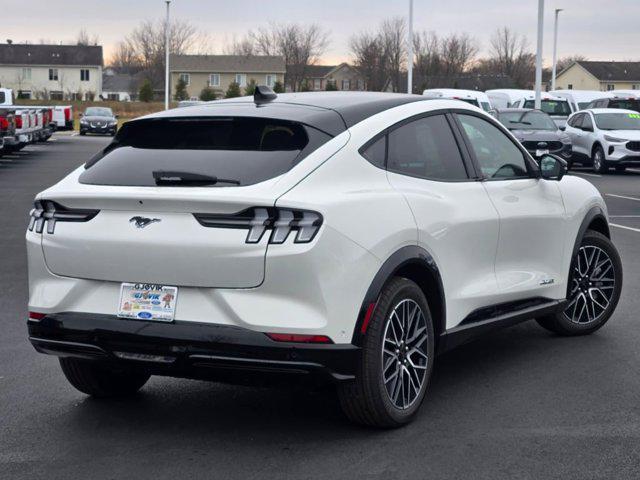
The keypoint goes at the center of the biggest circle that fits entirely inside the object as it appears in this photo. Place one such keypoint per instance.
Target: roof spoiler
(263, 94)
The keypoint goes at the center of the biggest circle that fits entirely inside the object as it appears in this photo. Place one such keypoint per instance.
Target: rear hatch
(146, 188)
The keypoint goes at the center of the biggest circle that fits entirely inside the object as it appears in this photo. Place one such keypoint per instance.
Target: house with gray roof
(597, 75)
(56, 72)
(219, 71)
(316, 77)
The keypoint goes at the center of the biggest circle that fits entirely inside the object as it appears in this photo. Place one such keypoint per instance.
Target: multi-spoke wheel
(599, 160)
(397, 359)
(594, 285)
(404, 356)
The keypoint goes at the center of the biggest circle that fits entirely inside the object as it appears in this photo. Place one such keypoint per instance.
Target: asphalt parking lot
(519, 404)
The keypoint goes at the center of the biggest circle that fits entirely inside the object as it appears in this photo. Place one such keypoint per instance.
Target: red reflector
(67, 114)
(36, 315)
(367, 318)
(296, 338)
(4, 123)
(19, 121)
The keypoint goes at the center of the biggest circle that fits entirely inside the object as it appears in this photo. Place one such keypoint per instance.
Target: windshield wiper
(170, 177)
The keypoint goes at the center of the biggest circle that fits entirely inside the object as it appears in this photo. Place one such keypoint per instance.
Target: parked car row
(20, 126)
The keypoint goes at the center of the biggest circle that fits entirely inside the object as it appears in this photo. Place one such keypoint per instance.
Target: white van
(505, 97)
(473, 97)
(579, 99)
(557, 108)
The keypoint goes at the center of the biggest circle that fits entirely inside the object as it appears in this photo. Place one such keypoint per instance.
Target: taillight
(257, 220)
(4, 123)
(46, 211)
(67, 114)
(19, 121)
(297, 338)
(36, 316)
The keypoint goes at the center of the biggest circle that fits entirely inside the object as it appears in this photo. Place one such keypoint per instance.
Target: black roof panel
(331, 112)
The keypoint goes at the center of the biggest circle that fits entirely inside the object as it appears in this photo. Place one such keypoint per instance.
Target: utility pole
(538, 102)
(555, 50)
(166, 58)
(410, 50)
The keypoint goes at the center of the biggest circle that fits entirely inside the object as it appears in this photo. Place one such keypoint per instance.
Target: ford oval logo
(145, 315)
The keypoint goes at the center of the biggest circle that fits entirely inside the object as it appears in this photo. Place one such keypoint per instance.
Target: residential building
(604, 76)
(219, 71)
(121, 87)
(343, 76)
(56, 72)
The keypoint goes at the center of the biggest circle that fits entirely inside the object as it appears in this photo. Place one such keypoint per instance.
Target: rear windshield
(627, 104)
(240, 150)
(559, 108)
(471, 101)
(618, 121)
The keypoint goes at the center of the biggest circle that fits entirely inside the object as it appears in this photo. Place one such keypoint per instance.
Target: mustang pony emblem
(142, 222)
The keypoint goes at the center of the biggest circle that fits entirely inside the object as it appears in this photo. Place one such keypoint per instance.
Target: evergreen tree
(330, 86)
(207, 94)
(146, 92)
(278, 87)
(250, 89)
(181, 91)
(233, 91)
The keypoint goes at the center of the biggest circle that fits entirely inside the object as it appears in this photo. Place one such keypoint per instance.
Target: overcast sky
(599, 30)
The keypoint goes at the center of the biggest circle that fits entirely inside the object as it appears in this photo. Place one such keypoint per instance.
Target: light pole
(166, 59)
(410, 50)
(538, 102)
(555, 50)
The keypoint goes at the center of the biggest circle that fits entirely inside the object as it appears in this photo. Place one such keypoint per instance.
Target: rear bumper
(190, 349)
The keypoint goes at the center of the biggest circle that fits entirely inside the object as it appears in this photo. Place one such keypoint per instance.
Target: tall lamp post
(538, 102)
(555, 50)
(166, 58)
(410, 50)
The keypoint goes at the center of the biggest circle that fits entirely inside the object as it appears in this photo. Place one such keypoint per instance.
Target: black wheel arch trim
(410, 254)
(595, 213)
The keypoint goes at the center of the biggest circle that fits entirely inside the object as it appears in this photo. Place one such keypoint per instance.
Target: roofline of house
(49, 65)
(209, 70)
(571, 66)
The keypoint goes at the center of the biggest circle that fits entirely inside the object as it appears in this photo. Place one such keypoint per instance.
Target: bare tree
(371, 58)
(125, 59)
(300, 46)
(510, 56)
(457, 51)
(565, 62)
(242, 46)
(84, 39)
(394, 35)
(427, 62)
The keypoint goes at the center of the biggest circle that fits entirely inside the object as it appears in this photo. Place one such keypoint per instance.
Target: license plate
(540, 153)
(147, 301)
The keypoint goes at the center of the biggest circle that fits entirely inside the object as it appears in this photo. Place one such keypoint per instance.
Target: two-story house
(219, 71)
(55, 72)
(604, 76)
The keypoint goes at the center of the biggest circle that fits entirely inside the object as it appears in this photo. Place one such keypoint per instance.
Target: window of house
(56, 95)
(497, 156)
(425, 148)
(241, 79)
(635, 87)
(113, 96)
(271, 80)
(53, 74)
(610, 86)
(359, 84)
(186, 78)
(26, 73)
(346, 84)
(570, 86)
(84, 74)
(24, 94)
(214, 80)
(317, 84)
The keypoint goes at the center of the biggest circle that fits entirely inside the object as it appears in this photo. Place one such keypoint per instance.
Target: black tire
(83, 133)
(98, 380)
(599, 161)
(366, 400)
(560, 322)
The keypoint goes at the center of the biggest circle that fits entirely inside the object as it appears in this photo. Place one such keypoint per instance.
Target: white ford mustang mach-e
(328, 236)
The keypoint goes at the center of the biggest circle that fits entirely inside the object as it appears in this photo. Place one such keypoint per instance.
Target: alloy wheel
(592, 285)
(404, 354)
(597, 160)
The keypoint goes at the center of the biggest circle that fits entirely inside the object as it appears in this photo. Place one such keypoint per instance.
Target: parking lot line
(588, 174)
(624, 216)
(634, 170)
(625, 227)
(622, 196)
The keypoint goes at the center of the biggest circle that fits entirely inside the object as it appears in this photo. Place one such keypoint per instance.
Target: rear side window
(376, 152)
(245, 150)
(629, 104)
(426, 148)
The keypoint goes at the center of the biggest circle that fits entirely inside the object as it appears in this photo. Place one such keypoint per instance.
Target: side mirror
(552, 167)
(81, 115)
(563, 128)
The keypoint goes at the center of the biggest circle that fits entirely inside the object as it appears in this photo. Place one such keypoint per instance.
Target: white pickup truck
(61, 115)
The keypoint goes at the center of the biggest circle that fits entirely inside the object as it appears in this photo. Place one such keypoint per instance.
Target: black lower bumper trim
(188, 349)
